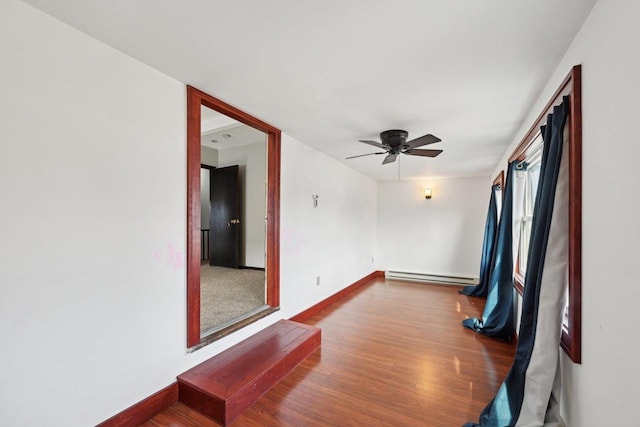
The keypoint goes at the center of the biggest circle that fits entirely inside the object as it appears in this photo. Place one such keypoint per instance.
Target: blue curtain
(497, 318)
(529, 394)
(488, 245)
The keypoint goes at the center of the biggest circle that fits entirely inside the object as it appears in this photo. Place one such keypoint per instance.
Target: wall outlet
(318, 281)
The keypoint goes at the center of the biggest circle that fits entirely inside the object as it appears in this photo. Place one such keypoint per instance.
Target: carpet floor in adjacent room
(228, 293)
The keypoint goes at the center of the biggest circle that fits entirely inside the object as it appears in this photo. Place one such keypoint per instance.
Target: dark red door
(224, 243)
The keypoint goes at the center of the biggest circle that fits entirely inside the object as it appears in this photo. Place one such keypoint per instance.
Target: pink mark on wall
(292, 242)
(171, 256)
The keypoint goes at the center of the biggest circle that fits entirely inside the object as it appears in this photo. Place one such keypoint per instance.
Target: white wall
(442, 235)
(252, 162)
(205, 203)
(98, 141)
(336, 240)
(208, 156)
(603, 391)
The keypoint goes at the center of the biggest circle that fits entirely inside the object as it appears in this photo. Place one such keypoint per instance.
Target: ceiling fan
(395, 142)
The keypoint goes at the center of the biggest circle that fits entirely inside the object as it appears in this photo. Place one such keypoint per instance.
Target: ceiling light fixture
(226, 135)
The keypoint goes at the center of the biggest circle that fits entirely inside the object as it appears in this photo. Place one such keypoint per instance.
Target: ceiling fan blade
(425, 153)
(374, 143)
(369, 154)
(389, 159)
(423, 140)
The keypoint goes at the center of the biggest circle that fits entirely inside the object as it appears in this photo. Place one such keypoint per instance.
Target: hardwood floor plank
(394, 353)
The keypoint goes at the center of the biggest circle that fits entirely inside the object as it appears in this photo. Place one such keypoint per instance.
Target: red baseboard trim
(311, 311)
(158, 402)
(145, 409)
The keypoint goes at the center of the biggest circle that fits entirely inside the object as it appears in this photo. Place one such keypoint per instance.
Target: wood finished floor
(393, 353)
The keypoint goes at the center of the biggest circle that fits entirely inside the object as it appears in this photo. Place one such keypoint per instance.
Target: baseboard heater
(431, 278)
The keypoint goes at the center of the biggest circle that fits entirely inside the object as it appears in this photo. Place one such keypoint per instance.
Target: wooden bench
(225, 385)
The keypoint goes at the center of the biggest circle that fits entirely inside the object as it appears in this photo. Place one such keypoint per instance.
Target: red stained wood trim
(499, 180)
(565, 89)
(225, 385)
(193, 217)
(572, 342)
(231, 111)
(572, 87)
(145, 409)
(518, 282)
(273, 220)
(196, 99)
(311, 311)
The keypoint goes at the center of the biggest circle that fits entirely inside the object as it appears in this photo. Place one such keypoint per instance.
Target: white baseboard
(431, 278)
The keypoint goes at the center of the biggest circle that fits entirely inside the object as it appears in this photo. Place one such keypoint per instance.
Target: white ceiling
(331, 72)
(221, 132)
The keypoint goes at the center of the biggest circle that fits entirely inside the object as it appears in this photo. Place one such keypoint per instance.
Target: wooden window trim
(518, 282)
(499, 180)
(571, 87)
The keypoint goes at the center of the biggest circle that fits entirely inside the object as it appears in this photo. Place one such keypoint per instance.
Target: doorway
(224, 218)
(259, 209)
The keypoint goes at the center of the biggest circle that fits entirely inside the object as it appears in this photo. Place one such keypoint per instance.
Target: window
(498, 185)
(525, 186)
(525, 193)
